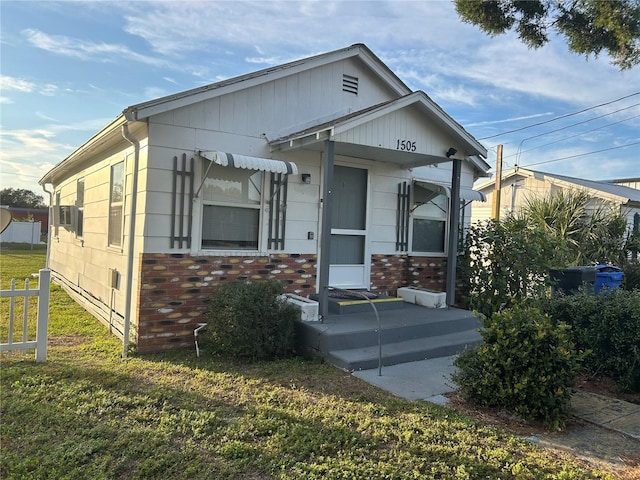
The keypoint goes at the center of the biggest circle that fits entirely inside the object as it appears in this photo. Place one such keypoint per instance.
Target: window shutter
(277, 210)
(402, 217)
(182, 206)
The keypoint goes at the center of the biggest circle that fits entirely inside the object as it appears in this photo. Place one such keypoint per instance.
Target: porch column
(454, 224)
(325, 234)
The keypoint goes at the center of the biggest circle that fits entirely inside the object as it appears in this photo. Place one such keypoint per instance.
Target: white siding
(281, 105)
(405, 125)
(85, 262)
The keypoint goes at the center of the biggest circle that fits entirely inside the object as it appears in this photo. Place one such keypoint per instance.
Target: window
(429, 219)
(80, 208)
(116, 201)
(231, 208)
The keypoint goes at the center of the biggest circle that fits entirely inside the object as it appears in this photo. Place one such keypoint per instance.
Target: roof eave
(81, 153)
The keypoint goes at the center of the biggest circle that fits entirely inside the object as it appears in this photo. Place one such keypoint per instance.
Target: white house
(519, 185)
(326, 171)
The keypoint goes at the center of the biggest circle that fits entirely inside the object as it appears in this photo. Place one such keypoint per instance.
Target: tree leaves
(20, 198)
(589, 26)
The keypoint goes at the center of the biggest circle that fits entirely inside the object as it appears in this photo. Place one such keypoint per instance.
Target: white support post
(43, 315)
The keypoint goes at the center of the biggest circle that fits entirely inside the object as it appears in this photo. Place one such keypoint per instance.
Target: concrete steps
(350, 341)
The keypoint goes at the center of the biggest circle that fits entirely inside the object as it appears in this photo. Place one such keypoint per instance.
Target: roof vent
(350, 84)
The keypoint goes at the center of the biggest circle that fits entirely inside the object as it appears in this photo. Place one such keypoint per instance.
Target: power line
(560, 117)
(582, 154)
(569, 126)
(572, 136)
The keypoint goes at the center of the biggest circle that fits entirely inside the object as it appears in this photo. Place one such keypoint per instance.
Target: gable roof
(144, 110)
(140, 112)
(339, 126)
(625, 193)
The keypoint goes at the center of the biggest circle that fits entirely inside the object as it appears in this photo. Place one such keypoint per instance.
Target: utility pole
(495, 211)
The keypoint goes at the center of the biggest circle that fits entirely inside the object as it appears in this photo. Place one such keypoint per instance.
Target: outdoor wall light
(306, 177)
(451, 152)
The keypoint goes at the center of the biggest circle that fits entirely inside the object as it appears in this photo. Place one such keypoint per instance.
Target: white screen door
(348, 263)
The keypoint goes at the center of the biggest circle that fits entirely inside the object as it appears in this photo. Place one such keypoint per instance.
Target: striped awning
(465, 193)
(235, 160)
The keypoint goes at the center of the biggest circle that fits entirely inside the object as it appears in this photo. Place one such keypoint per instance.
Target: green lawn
(87, 413)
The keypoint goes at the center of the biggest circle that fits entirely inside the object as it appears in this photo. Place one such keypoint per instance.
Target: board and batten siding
(281, 106)
(403, 125)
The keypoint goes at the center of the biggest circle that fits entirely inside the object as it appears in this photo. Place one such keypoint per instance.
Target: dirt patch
(606, 387)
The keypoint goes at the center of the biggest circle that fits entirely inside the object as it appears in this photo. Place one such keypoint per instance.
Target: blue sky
(69, 68)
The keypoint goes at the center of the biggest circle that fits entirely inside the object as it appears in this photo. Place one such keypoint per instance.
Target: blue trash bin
(608, 277)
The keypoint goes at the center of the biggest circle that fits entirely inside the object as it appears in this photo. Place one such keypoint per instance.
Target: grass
(87, 413)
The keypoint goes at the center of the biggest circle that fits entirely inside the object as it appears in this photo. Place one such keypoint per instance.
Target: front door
(349, 262)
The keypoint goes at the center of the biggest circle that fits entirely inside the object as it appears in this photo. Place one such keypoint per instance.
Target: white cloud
(49, 89)
(43, 143)
(41, 149)
(264, 60)
(45, 117)
(550, 72)
(12, 83)
(85, 50)
(283, 30)
(8, 83)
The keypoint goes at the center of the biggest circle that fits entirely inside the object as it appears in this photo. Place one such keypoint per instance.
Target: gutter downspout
(132, 230)
(50, 224)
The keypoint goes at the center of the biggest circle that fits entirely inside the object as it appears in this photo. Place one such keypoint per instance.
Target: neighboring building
(626, 182)
(520, 185)
(327, 171)
(36, 214)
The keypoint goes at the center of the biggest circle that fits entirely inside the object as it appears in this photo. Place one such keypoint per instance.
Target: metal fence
(42, 322)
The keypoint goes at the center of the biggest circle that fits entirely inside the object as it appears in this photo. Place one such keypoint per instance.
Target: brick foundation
(174, 289)
(390, 272)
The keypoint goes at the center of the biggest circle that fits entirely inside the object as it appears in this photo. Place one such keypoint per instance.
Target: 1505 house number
(406, 145)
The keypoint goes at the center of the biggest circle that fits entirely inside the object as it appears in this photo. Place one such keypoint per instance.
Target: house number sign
(406, 145)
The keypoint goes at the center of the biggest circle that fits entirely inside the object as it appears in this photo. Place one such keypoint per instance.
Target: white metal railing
(42, 325)
(358, 294)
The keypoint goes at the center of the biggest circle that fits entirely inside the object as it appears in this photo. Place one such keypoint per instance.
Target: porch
(348, 336)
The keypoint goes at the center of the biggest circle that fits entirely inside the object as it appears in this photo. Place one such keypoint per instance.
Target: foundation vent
(350, 84)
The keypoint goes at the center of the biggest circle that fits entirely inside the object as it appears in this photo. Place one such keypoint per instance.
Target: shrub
(631, 280)
(503, 262)
(609, 326)
(525, 364)
(250, 321)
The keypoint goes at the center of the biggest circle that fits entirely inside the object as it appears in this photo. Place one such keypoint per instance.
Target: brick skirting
(174, 287)
(390, 272)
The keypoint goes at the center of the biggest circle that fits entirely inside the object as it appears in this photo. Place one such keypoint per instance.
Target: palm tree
(584, 230)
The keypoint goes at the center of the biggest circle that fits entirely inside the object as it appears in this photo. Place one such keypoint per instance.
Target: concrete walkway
(430, 380)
